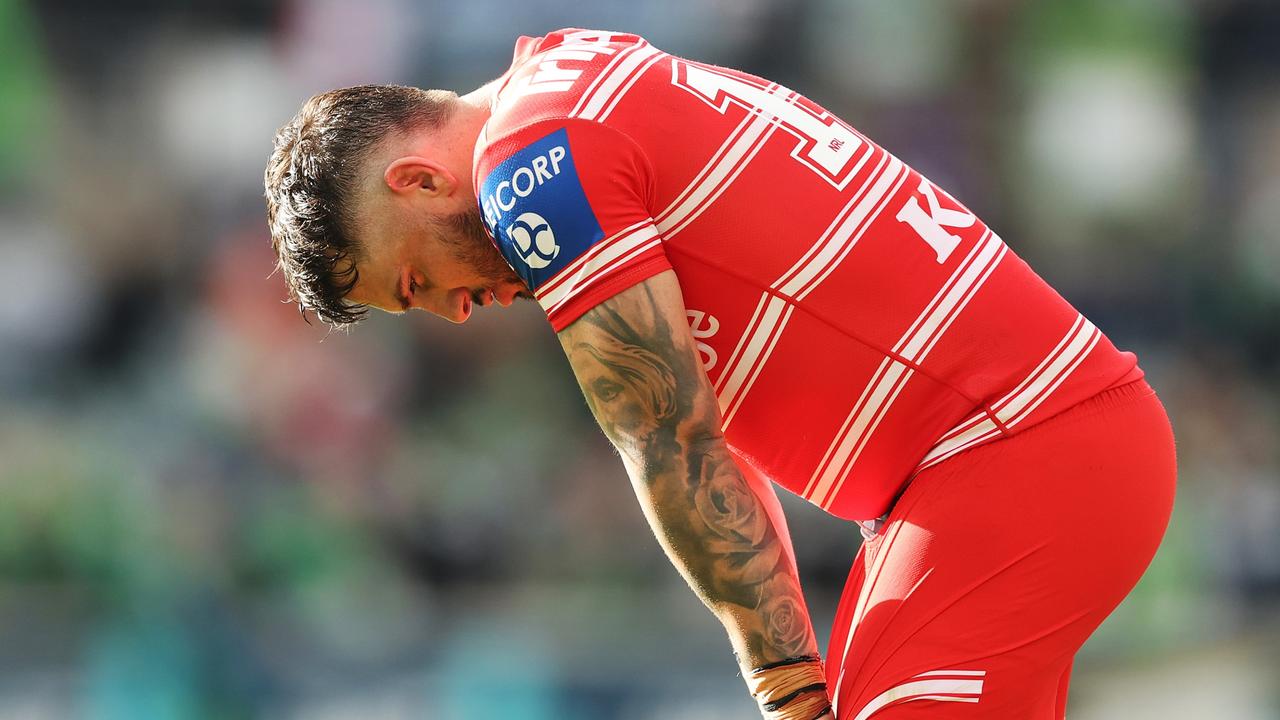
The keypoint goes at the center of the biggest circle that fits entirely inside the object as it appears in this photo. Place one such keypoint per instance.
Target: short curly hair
(313, 170)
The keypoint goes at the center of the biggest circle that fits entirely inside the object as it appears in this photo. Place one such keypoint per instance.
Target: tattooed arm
(635, 359)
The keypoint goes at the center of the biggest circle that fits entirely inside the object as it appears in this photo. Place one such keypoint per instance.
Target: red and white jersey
(856, 321)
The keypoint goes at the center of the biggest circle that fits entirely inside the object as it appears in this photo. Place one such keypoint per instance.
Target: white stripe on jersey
(738, 350)
(603, 266)
(774, 313)
(807, 259)
(823, 257)
(1016, 405)
(857, 428)
(627, 88)
(717, 158)
(960, 289)
(894, 372)
(752, 352)
(744, 143)
(605, 256)
(558, 283)
(972, 431)
(983, 431)
(609, 82)
(598, 80)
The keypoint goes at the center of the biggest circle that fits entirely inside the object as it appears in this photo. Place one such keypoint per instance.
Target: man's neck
(463, 128)
(481, 97)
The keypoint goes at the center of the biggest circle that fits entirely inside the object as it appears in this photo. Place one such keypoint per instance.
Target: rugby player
(749, 290)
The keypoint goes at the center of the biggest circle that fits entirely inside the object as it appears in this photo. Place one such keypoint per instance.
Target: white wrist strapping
(791, 689)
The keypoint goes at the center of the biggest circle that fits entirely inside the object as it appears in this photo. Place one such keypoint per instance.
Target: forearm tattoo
(643, 389)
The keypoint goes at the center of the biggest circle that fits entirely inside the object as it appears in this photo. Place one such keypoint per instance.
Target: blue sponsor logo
(536, 210)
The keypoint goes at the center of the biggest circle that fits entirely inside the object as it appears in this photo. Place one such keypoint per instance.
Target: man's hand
(638, 367)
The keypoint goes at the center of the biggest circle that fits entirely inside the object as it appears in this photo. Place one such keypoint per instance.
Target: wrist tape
(791, 689)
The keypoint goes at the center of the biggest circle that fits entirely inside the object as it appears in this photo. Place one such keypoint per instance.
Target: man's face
(443, 263)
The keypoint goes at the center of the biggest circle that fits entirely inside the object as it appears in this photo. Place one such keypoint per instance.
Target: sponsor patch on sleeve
(536, 210)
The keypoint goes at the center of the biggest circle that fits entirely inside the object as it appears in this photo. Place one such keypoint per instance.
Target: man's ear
(419, 174)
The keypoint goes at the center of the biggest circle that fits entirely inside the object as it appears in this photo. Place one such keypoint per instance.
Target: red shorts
(995, 566)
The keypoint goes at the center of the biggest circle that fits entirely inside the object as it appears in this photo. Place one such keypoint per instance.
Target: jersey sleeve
(566, 202)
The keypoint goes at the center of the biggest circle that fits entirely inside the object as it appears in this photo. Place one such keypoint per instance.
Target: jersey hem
(1123, 388)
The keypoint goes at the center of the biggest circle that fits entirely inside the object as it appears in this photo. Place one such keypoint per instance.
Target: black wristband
(782, 701)
(788, 661)
(822, 712)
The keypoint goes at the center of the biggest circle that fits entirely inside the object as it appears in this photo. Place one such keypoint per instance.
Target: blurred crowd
(210, 508)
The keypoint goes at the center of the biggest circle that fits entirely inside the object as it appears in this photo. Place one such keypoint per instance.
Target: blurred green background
(210, 509)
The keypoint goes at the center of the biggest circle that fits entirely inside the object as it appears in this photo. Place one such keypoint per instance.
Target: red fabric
(843, 302)
(996, 565)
